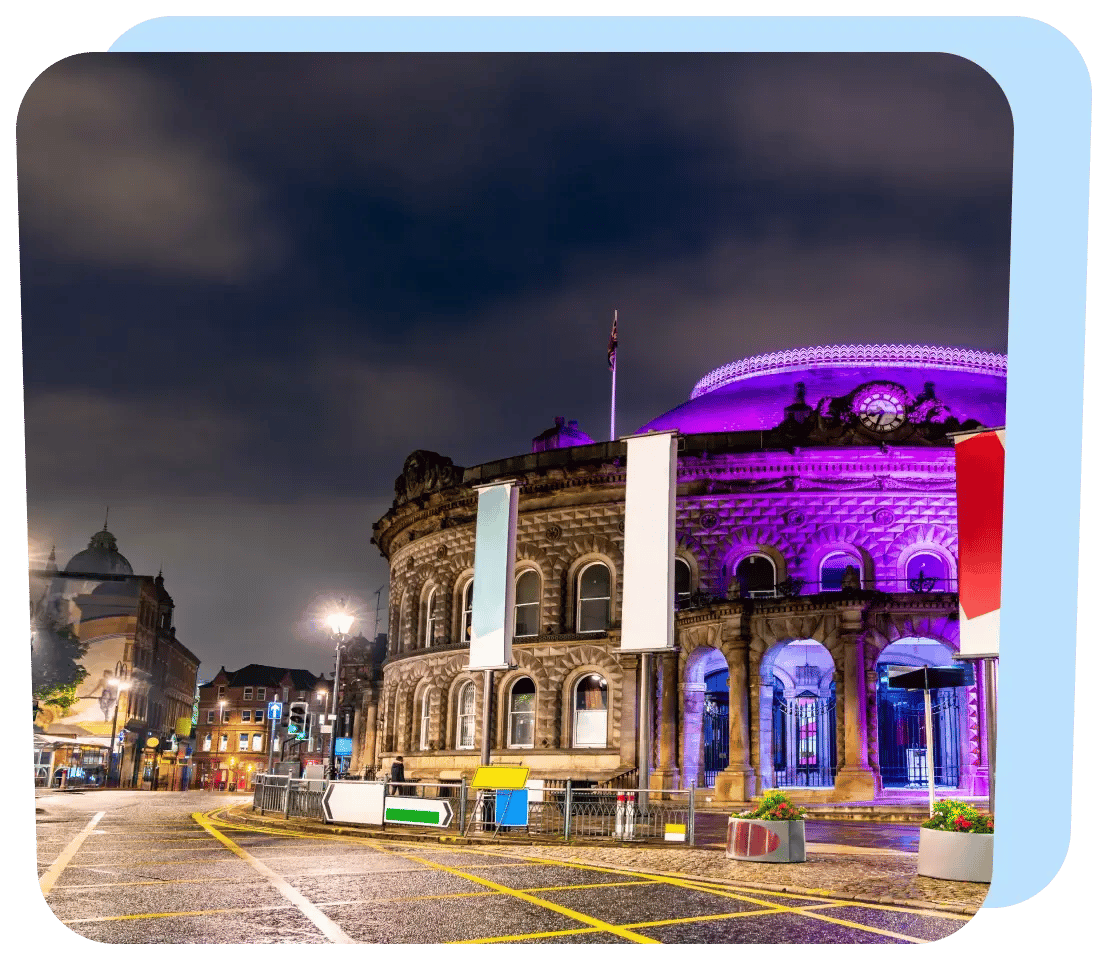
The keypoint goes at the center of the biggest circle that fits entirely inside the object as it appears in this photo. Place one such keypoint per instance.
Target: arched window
(527, 604)
(927, 570)
(467, 716)
(429, 618)
(425, 720)
(467, 612)
(594, 595)
(590, 711)
(758, 575)
(521, 713)
(682, 583)
(832, 567)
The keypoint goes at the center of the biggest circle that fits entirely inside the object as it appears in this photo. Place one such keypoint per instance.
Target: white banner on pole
(650, 526)
(494, 582)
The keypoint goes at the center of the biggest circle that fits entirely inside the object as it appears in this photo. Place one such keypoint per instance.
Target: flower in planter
(775, 805)
(959, 817)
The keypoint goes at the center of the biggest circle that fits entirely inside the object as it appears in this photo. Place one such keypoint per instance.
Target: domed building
(816, 549)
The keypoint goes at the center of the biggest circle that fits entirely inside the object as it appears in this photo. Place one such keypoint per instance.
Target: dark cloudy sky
(252, 284)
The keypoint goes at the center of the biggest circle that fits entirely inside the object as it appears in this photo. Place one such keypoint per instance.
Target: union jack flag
(612, 342)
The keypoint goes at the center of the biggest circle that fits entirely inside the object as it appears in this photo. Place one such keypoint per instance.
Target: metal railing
(274, 793)
(792, 587)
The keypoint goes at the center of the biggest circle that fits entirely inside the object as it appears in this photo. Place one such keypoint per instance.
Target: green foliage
(775, 805)
(56, 672)
(959, 817)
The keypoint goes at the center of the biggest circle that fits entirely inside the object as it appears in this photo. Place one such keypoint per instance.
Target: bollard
(620, 801)
(462, 807)
(288, 791)
(568, 814)
(692, 816)
(629, 818)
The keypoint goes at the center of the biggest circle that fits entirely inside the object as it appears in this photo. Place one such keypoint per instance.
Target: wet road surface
(134, 868)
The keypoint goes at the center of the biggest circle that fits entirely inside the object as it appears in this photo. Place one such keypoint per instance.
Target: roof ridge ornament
(802, 358)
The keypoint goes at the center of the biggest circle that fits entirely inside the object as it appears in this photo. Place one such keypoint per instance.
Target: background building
(816, 548)
(232, 729)
(140, 676)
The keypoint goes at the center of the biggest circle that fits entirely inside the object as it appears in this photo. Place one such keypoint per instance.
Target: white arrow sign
(354, 802)
(418, 811)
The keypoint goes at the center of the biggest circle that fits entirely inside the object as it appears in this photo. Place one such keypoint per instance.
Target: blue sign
(344, 746)
(511, 808)
(275, 710)
(120, 736)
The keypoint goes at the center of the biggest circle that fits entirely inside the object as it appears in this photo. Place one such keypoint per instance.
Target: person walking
(396, 775)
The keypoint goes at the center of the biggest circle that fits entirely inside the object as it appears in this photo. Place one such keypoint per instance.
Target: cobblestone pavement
(875, 877)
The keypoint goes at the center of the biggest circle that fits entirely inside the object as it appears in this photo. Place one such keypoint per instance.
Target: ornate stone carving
(441, 552)
(425, 472)
(553, 533)
(883, 516)
(709, 520)
(794, 518)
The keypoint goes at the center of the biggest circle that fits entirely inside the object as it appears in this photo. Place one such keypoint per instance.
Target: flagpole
(615, 353)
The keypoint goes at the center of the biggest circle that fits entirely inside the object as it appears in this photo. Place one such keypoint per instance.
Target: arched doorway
(798, 746)
(705, 727)
(901, 734)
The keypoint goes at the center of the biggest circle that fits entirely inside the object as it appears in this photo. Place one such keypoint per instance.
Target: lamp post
(120, 686)
(219, 733)
(340, 622)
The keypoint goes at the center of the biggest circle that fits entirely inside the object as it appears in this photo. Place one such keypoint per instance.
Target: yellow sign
(184, 727)
(500, 778)
(152, 741)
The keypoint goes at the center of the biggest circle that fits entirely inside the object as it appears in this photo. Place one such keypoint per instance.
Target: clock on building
(880, 406)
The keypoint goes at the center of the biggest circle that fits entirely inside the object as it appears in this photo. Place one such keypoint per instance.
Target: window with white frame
(244, 741)
(211, 716)
(429, 618)
(521, 713)
(246, 715)
(757, 574)
(467, 612)
(261, 693)
(590, 711)
(256, 743)
(467, 716)
(222, 690)
(833, 566)
(682, 582)
(425, 720)
(223, 743)
(527, 604)
(594, 596)
(259, 716)
(247, 693)
(208, 743)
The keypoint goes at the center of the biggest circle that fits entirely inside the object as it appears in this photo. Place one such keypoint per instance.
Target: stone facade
(847, 524)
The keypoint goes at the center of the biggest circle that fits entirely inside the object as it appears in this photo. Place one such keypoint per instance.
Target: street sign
(500, 778)
(930, 678)
(431, 813)
(352, 801)
(511, 808)
(274, 710)
(344, 746)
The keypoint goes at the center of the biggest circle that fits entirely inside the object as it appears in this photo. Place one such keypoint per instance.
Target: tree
(56, 672)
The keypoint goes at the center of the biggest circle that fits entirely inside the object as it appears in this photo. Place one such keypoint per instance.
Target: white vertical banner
(649, 541)
(494, 582)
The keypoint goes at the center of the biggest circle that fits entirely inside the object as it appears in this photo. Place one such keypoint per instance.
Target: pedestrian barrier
(566, 812)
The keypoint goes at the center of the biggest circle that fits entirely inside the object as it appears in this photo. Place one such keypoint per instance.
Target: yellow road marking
(512, 937)
(48, 879)
(537, 901)
(715, 916)
(331, 930)
(182, 913)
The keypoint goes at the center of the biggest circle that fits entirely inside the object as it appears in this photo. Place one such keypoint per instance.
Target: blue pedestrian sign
(344, 746)
(275, 710)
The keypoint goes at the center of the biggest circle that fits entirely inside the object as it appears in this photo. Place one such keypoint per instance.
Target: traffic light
(298, 718)
(306, 729)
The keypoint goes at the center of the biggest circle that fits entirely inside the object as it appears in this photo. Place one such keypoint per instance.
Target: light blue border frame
(1049, 90)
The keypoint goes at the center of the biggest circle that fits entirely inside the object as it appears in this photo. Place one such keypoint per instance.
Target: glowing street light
(340, 623)
(120, 685)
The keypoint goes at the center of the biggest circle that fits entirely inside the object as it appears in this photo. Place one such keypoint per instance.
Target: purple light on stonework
(752, 394)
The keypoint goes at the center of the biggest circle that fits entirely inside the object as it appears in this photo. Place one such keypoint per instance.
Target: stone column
(368, 756)
(855, 780)
(691, 725)
(629, 716)
(737, 781)
(666, 727)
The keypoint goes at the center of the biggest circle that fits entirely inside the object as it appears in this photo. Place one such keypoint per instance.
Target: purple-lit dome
(753, 394)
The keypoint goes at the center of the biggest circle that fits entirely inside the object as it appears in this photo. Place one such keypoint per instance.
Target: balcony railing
(794, 587)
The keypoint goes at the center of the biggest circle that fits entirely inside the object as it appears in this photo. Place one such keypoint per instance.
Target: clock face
(880, 407)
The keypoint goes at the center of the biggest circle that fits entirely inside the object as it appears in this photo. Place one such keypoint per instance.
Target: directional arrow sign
(354, 802)
(431, 813)
(274, 710)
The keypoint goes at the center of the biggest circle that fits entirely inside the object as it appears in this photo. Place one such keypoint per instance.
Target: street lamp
(120, 686)
(219, 733)
(340, 622)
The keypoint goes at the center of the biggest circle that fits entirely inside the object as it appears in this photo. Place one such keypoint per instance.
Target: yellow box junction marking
(500, 778)
(46, 883)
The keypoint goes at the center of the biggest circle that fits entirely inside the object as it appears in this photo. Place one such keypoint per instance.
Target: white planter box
(947, 855)
(769, 841)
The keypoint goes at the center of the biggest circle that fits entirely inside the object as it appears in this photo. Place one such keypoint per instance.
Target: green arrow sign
(431, 813)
